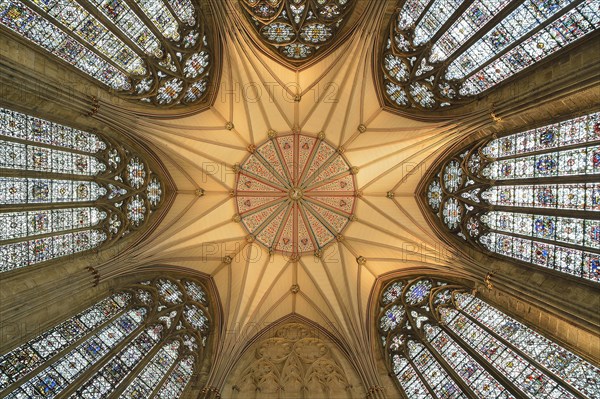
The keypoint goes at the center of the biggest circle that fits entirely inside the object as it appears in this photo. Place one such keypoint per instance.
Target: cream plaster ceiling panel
(255, 99)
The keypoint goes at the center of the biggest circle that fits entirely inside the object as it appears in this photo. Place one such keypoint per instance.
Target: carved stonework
(294, 361)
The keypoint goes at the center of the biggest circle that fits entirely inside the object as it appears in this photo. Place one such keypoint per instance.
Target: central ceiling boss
(295, 194)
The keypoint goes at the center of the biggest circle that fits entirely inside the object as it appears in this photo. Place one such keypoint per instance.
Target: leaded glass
(178, 379)
(70, 193)
(195, 291)
(392, 293)
(568, 366)
(169, 291)
(121, 343)
(450, 336)
(442, 53)
(391, 318)
(530, 196)
(111, 42)
(297, 29)
(150, 376)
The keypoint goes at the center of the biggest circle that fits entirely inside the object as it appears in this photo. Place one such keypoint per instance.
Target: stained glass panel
(532, 381)
(297, 29)
(108, 378)
(438, 379)
(152, 374)
(452, 340)
(128, 45)
(56, 377)
(43, 155)
(409, 380)
(569, 367)
(472, 373)
(125, 342)
(484, 42)
(178, 379)
(531, 223)
(17, 363)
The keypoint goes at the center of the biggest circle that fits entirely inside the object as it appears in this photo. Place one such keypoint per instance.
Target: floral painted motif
(295, 194)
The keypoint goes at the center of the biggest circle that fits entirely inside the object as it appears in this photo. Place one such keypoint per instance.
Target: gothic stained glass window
(297, 29)
(65, 191)
(442, 53)
(132, 342)
(155, 51)
(447, 343)
(532, 196)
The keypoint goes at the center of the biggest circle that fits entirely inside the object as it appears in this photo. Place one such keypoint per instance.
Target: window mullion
(26, 142)
(543, 181)
(449, 22)
(425, 10)
(516, 392)
(55, 23)
(124, 384)
(166, 376)
(109, 25)
(446, 367)
(542, 211)
(531, 360)
(419, 375)
(77, 382)
(51, 234)
(48, 206)
(136, 9)
(180, 23)
(483, 30)
(548, 150)
(62, 353)
(522, 39)
(546, 241)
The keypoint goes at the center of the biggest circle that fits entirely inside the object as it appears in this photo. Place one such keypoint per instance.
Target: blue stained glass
(118, 47)
(568, 150)
(571, 369)
(86, 345)
(418, 291)
(451, 329)
(20, 361)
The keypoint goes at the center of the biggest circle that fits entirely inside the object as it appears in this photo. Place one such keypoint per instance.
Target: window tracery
(447, 343)
(65, 191)
(297, 29)
(531, 196)
(442, 53)
(155, 51)
(133, 343)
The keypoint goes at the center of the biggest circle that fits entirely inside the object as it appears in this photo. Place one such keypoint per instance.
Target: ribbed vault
(258, 98)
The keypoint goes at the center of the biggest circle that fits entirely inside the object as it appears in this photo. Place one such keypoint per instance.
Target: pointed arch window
(297, 29)
(65, 191)
(531, 196)
(441, 341)
(442, 53)
(154, 51)
(139, 342)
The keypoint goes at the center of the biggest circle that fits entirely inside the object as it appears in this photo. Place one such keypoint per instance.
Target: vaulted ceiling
(257, 95)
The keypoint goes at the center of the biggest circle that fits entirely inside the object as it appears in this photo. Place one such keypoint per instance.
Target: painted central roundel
(295, 194)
